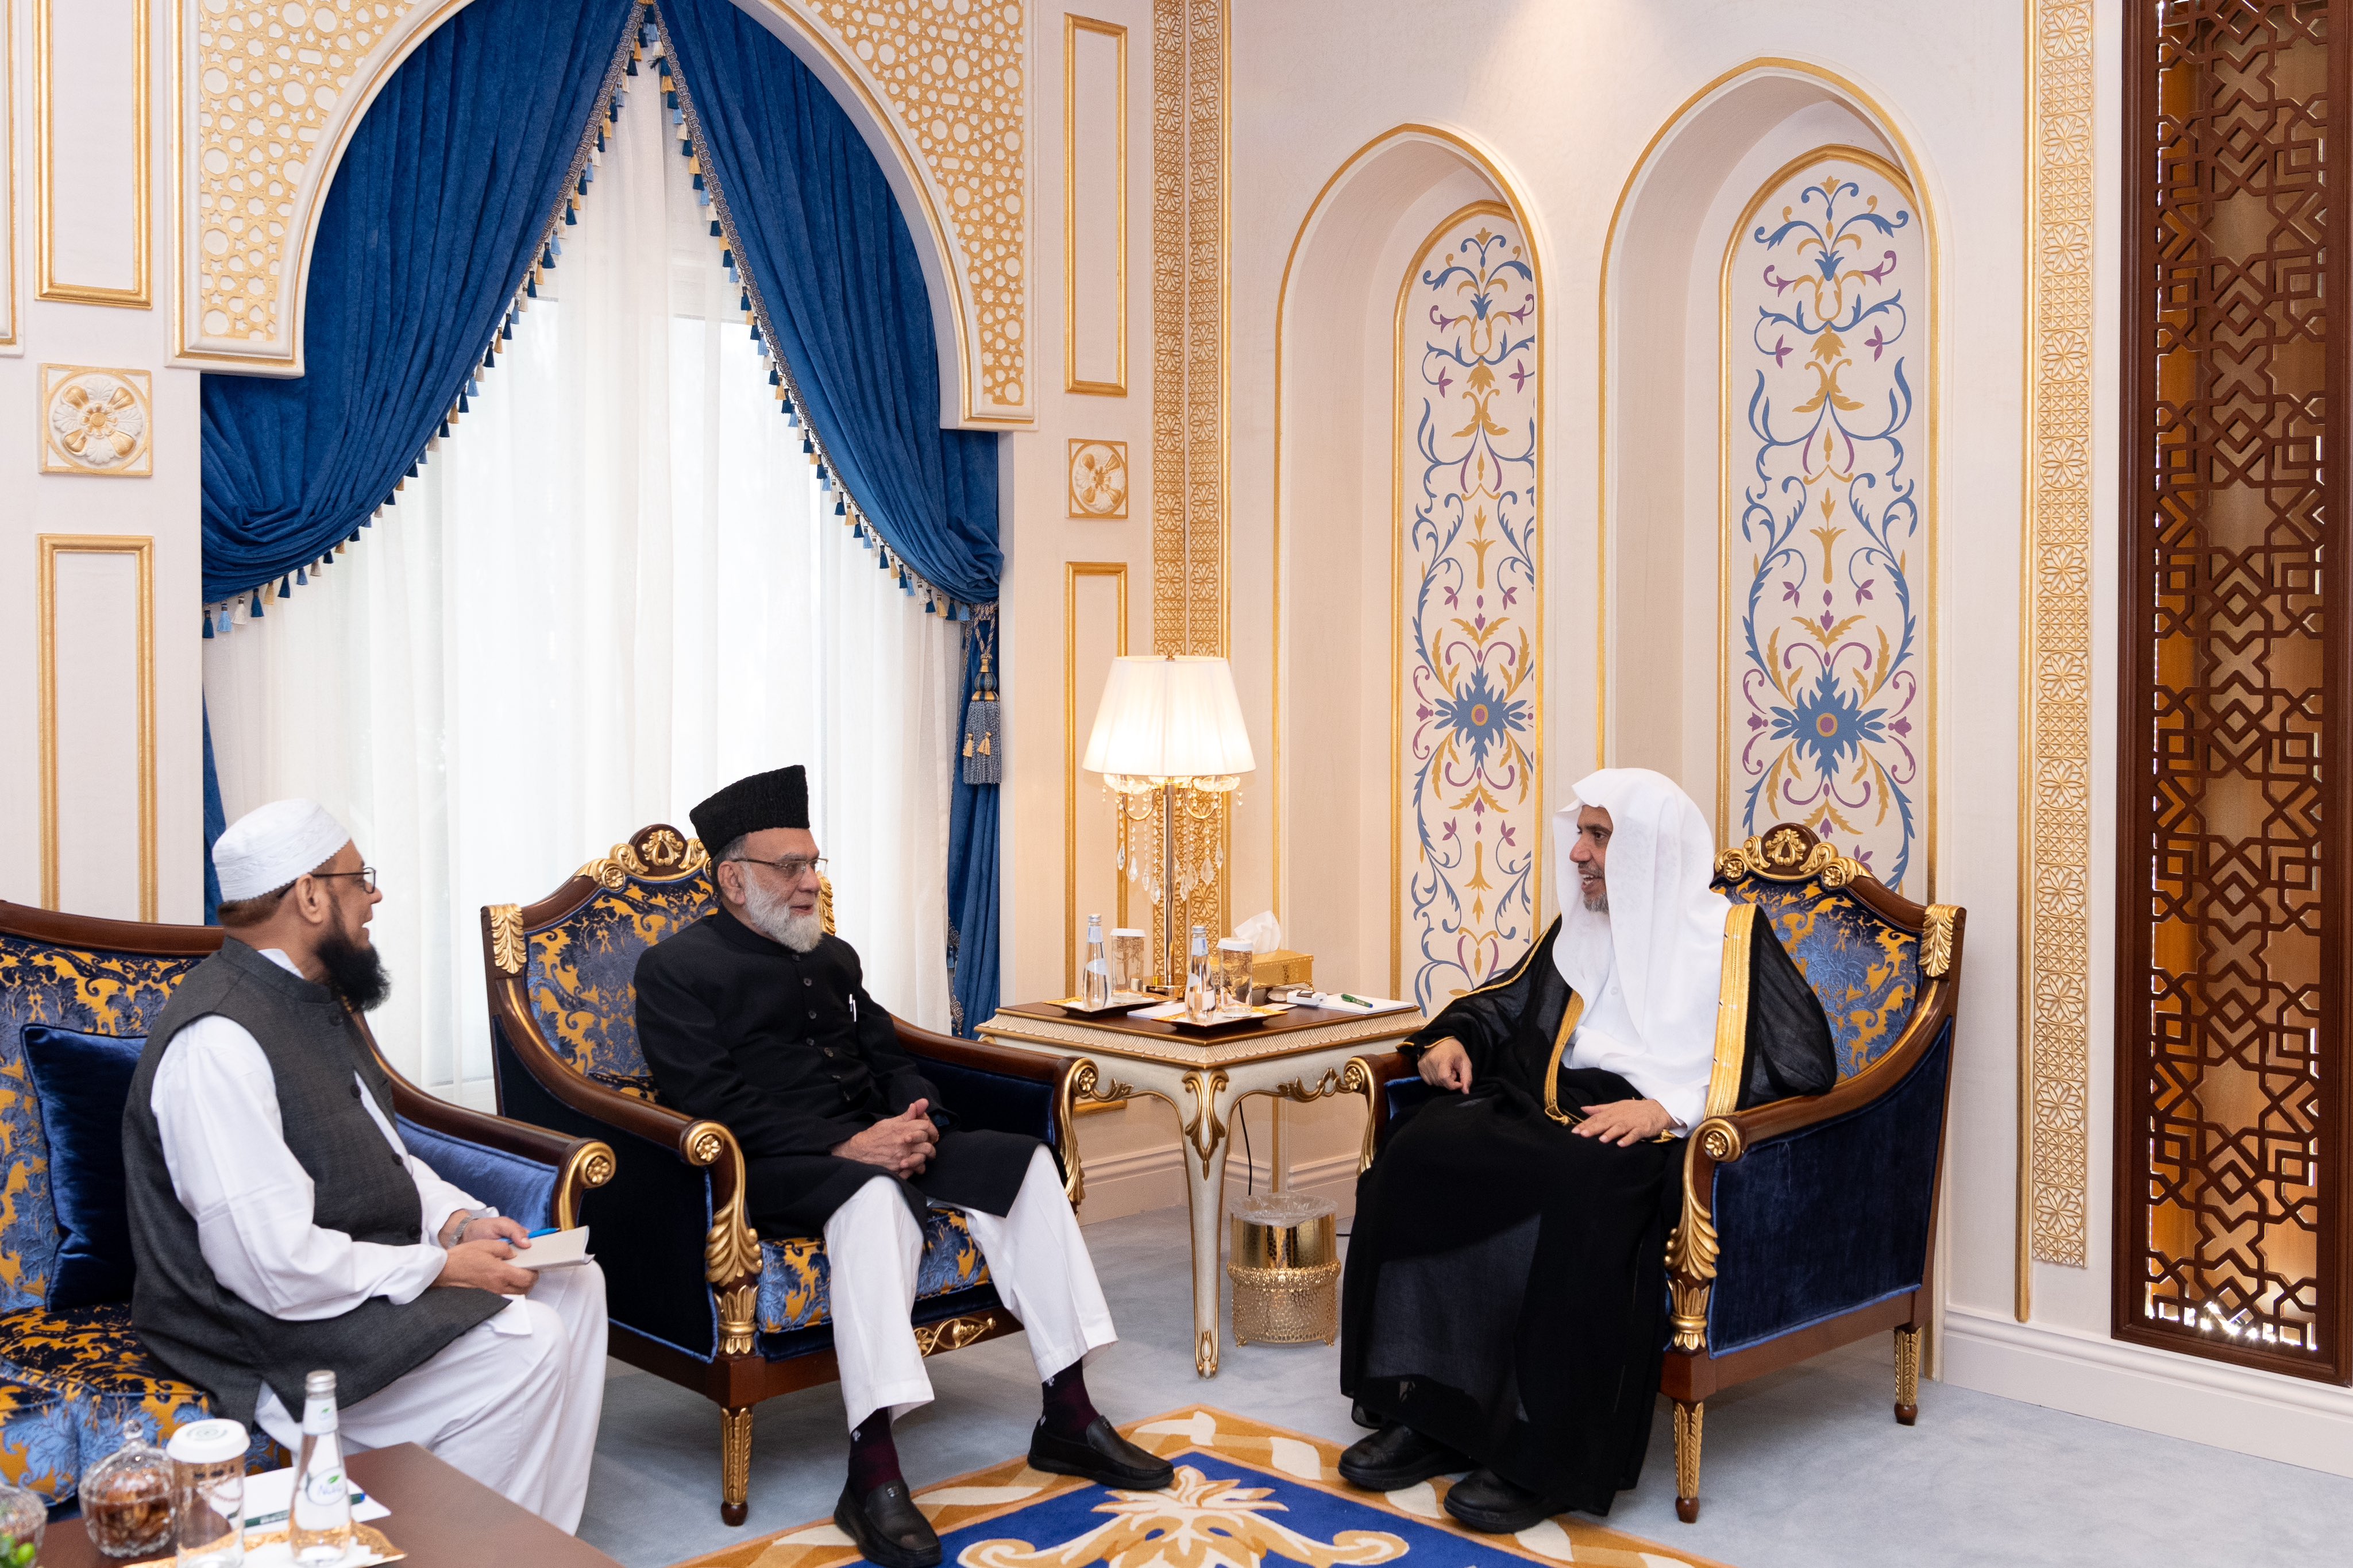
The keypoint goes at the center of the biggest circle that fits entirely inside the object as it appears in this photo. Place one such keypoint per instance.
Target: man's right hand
(482, 1263)
(901, 1145)
(1447, 1064)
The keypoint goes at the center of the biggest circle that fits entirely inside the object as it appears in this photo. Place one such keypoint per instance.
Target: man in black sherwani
(757, 1018)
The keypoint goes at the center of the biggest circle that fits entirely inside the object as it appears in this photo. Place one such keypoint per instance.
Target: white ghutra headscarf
(1661, 939)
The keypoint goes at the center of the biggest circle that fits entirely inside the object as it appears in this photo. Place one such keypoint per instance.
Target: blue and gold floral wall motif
(1824, 687)
(1470, 609)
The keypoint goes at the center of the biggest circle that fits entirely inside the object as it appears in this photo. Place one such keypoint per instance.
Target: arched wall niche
(357, 54)
(1665, 417)
(1336, 535)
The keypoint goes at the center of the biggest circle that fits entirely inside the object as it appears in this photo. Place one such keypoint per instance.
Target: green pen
(1359, 1000)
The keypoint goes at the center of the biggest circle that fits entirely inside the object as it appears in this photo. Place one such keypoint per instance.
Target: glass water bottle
(1200, 978)
(319, 1526)
(1098, 982)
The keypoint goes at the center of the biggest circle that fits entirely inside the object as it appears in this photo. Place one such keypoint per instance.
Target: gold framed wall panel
(12, 331)
(1072, 571)
(139, 295)
(2055, 848)
(1072, 25)
(142, 547)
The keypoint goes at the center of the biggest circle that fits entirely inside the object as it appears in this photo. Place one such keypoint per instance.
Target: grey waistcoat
(191, 1322)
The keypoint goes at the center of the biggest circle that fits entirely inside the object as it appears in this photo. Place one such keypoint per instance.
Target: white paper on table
(1365, 1008)
(269, 1496)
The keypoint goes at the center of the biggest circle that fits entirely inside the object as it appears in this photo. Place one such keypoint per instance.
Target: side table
(1305, 1055)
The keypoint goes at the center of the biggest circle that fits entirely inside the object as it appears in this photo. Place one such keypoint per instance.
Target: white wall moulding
(98, 422)
(2055, 807)
(942, 95)
(95, 631)
(91, 88)
(1098, 478)
(1094, 208)
(1094, 632)
(12, 336)
(1826, 393)
(1466, 666)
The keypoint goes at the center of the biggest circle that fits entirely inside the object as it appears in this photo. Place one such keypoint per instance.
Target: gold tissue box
(1283, 968)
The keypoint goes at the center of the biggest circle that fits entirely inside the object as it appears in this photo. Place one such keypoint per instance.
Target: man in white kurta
(514, 1401)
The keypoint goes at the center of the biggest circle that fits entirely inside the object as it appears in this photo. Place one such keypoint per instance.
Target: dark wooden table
(440, 1516)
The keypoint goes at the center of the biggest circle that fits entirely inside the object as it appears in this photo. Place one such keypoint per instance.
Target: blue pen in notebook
(546, 1230)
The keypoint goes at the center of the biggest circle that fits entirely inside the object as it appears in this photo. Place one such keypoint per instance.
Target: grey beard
(772, 916)
(1598, 901)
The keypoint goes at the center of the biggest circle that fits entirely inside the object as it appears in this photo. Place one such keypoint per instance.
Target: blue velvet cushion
(82, 1082)
(522, 1189)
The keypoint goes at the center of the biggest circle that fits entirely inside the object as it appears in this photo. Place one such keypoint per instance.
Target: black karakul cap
(776, 799)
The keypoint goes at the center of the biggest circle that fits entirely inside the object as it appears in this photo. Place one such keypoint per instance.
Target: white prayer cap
(271, 845)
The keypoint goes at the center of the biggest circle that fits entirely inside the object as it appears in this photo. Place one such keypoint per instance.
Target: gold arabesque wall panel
(2055, 699)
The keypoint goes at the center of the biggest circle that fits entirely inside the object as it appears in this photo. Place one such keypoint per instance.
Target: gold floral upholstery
(580, 972)
(795, 1280)
(102, 993)
(1865, 971)
(40, 1447)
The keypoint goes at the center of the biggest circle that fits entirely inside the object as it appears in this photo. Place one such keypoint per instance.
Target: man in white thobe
(284, 1244)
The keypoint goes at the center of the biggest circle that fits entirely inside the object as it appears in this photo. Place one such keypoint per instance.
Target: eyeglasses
(366, 874)
(794, 866)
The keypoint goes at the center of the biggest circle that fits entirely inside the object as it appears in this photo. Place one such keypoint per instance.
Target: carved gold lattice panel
(952, 75)
(2231, 1196)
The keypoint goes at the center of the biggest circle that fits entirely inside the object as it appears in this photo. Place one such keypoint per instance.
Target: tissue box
(1283, 968)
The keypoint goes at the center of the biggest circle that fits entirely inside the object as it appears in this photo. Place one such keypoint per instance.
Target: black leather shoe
(1101, 1455)
(1397, 1456)
(1487, 1502)
(888, 1528)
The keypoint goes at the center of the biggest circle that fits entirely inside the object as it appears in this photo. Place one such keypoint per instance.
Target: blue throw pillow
(83, 1081)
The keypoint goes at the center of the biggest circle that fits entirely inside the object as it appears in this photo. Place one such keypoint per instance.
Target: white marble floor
(1804, 1469)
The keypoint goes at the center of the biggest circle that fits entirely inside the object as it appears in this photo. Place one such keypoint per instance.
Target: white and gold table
(1305, 1055)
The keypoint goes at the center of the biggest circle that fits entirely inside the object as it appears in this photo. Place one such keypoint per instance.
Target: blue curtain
(216, 823)
(830, 253)
(435, 214)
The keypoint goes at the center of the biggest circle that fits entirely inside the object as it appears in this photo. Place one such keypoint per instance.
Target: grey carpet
(1806, 1469)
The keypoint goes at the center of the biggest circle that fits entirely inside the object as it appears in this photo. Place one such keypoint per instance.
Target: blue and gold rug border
(1013, 1488)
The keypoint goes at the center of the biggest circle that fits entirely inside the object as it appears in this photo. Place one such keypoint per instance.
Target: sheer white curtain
(613, 588)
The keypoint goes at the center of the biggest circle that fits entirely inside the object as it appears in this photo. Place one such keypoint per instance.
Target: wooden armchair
(71, 1375)
(694, 1296)
(1809, 1224)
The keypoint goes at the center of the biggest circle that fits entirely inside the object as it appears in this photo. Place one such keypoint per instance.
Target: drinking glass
(1131, 961)
(1234, 960)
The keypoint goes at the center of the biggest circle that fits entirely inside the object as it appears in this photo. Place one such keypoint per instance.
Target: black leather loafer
(1395, 1458)
(1494, 1506)
(1101, 1455)
(888, 1528)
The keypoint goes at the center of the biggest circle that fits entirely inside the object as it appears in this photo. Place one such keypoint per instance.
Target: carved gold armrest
(731, 1250)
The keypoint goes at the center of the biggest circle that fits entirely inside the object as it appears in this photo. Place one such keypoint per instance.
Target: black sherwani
(790, 1053)
(1506, 1290)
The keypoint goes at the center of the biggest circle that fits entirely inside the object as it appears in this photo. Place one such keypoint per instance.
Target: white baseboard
(1145, 1179)
(2263, 1414)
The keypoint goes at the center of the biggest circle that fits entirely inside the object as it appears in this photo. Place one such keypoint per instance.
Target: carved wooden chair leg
(735, 1465)
(1907, 1375)
(1687, 1425)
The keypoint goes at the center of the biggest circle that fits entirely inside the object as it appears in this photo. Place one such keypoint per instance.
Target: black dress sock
(1067, 1411)
(874, 1457)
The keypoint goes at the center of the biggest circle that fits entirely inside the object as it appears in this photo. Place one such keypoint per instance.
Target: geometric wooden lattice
(2231, 1188)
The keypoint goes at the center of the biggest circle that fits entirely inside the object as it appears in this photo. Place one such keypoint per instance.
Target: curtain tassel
(257, 604)
(984, 761)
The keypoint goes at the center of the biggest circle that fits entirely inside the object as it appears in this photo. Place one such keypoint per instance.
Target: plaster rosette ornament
(97, 421)
(1098, 479)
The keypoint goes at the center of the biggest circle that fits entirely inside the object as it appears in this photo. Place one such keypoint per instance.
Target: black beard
(354, 971)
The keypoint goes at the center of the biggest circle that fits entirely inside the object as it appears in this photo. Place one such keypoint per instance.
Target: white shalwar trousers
(1037, 1260)
(514, 1402)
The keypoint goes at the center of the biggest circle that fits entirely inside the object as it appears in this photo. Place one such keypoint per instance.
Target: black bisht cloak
(1505, 1291)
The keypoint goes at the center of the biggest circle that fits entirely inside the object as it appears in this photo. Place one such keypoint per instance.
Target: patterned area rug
(1244, 1493)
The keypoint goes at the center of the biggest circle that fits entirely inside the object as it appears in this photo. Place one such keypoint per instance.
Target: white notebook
(564, 1249)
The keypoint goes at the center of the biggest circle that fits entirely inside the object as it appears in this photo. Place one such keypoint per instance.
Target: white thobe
(514, 1402)
(1600, 1042)
(1036, 1260)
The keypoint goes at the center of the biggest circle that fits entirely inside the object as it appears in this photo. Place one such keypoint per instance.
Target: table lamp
(1170, 727)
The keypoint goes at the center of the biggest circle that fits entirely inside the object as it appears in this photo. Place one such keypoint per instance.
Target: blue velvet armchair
(76, 998)
(1807, 1224)
(695, 1296)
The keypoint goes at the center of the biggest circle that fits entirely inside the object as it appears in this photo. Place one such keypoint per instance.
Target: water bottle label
(326, 1489)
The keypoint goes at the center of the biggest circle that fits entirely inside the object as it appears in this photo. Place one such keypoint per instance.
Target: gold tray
(1119, 1004)
(265, 1548)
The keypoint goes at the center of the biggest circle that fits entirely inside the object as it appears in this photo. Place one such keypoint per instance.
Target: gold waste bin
(1285, 1268)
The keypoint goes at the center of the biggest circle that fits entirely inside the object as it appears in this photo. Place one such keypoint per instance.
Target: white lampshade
(1168, 718)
